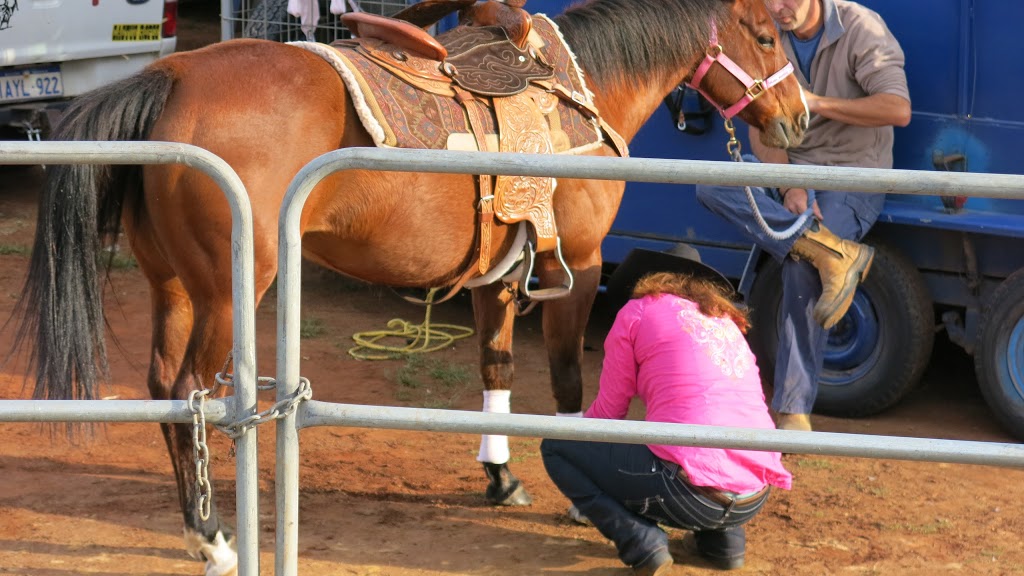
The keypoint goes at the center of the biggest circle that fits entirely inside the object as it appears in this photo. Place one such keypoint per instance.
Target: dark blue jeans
(626, 491)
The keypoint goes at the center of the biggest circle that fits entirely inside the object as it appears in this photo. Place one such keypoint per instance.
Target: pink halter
(754, 87)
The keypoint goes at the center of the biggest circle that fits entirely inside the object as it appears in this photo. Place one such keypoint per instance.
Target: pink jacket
(693, 369)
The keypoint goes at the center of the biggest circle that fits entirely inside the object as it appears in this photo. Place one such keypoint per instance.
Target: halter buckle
(756, 89)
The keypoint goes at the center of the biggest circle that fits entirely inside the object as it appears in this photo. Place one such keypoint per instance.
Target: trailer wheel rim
(1013, 359)
(853, 344)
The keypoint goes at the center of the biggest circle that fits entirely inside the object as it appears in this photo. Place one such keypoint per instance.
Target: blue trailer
(942, 262)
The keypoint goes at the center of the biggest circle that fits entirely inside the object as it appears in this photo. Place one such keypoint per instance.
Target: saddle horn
(428, 12)
(506, 14)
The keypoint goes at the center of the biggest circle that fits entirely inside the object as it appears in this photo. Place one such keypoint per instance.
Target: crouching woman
(678, 345)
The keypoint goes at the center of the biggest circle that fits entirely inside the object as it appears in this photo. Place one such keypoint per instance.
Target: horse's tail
(80, 207)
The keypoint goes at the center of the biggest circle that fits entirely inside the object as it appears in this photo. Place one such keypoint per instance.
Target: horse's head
(746, 73)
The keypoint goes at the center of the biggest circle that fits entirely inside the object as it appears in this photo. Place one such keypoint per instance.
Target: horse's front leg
(493, 308)
(564, 322)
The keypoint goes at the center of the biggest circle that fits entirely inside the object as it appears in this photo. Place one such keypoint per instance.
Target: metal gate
(315, 413)
(269, 19)
(312, 413)
(232, 409)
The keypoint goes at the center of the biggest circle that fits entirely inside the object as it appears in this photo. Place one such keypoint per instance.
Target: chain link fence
(269, 19)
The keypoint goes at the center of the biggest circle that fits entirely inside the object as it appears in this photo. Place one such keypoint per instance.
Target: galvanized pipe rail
(629, 169)
(169, 411)
(243, 403)
(314, 413)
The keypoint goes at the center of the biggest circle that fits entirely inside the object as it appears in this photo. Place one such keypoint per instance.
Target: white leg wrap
(570, 414)
(493, 448)
(220, 555)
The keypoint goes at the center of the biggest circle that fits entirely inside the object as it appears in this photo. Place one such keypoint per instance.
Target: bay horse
(268, 109)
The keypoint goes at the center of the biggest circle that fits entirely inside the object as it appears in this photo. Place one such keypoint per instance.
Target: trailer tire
(999, 355)
(267, 20)
(876, 354)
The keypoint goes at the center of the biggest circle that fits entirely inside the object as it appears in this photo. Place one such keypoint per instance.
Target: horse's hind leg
(205, 539)
(495, 314)
(172, 322)
(208, 347)
(176, 337)
(172, 325)
(171, 375)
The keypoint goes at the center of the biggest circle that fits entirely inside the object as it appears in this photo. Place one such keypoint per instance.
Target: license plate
(31, 84)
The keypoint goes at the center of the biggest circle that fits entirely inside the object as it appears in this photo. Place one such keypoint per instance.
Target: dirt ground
(397, 503)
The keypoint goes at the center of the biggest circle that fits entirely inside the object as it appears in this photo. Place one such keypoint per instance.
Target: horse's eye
(766, 41)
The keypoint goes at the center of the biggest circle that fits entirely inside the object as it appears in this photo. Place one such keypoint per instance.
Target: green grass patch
(449, 374)
(115, 262)
(872, 489)
(877, 491)
(121, 262)
(312, 328)
(14, 250)
(815, 464)
(524, 450)
(431, 383)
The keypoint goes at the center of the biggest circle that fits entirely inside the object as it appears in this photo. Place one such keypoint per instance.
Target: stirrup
(530, 252)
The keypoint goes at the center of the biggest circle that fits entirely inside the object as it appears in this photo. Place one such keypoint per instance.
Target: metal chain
(234, 430)
(227, 379)
(279, 410)
(201, 452)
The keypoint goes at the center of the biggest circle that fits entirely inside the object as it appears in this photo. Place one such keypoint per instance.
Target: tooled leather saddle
(496, 82)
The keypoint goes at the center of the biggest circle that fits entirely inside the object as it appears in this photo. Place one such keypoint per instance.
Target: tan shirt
(858, 56)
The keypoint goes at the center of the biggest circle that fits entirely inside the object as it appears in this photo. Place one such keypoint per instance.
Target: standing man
(851, 69)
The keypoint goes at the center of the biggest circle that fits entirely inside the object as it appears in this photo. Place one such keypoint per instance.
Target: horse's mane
(621, 38)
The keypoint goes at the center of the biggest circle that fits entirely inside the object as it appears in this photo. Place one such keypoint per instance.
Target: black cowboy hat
(682, 259)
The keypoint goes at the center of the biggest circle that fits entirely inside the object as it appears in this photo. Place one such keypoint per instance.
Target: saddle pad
(412, 105)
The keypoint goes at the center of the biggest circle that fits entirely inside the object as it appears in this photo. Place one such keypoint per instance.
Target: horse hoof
(504, 488)
(516, 497)
(218, 551)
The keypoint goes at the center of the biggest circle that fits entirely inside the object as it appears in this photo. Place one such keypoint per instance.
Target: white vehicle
(53, 50)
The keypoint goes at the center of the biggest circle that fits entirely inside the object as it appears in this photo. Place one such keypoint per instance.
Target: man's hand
(813, 101)
(795, 200)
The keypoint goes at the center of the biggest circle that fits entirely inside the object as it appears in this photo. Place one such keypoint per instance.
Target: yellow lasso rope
(420, 338)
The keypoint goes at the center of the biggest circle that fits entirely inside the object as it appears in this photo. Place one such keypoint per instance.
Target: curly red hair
(712, 299)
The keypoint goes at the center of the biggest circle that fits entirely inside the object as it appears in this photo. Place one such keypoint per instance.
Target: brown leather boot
(785, 421)
(842, 264)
